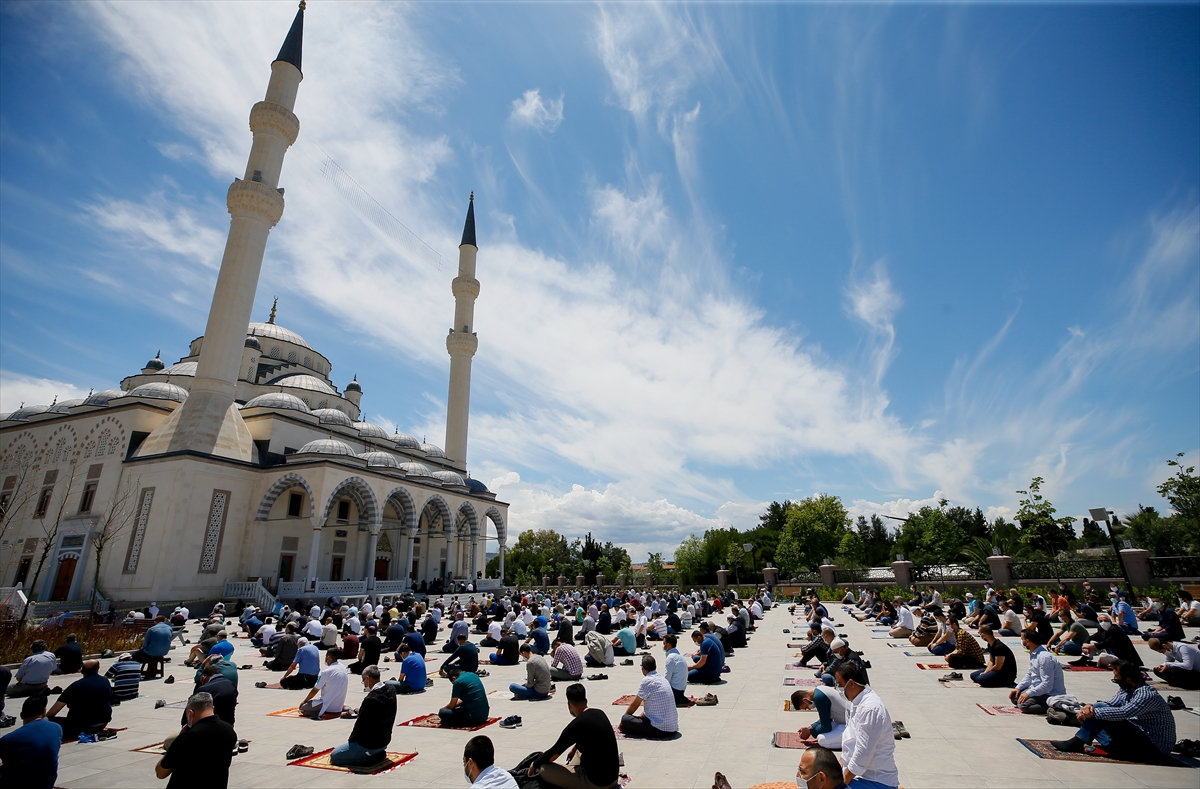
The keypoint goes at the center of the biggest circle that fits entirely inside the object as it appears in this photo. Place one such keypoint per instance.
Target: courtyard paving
(954, 743)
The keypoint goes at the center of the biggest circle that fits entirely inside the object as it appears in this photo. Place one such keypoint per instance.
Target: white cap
(837, 643)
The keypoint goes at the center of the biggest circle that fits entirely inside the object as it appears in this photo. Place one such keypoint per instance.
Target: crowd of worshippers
(308, 645)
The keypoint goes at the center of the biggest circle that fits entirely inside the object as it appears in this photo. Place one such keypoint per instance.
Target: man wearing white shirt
(869, 740)
(1181, 663)
(493, 637)
(332, 684)
(315, 611)
(312, 628)
(479, 766)
(355, 625)
(1043, 679)
(676, 671)
(905, 623)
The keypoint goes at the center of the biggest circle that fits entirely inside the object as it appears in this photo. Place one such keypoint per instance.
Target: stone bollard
(579, 579)
(545, 580)
(600, 580)
(1001, 567)
(829, 575)
(722, 579)
(903, 573)
(562, 580)
(770, 575)
(1137, 564)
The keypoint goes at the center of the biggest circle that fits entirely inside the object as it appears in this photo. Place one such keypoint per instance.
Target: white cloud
(531, 110)
(16, 388)
(896, 508)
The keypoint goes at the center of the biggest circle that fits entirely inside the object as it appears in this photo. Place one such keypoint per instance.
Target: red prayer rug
(433, 721)
(933, 666)
(1088, 668)
(791, 739)
(1045, 750)
(320, 761)
(294, 712)
(624, 701)
(1000, 709)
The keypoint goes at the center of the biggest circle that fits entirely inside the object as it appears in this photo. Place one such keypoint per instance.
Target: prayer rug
(914, 654)
(933, 666)
(901, 645)
(1000, 709)
(775, 785)
(797, 646)
(880, 637)
(320, 761)
(294, 712)
(274, 686)
(801, 682)
(881, 630)
(791, 739)
(1088, 668)
(1044, 750)
(623, 736)
(155, 748)
(793, 667)
(432, 721)
(176, 705)
(624, 701)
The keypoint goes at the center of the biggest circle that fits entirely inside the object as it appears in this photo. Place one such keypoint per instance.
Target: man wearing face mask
(1122, 614)
(479, 766)
(1043, 679)
(1108, 645)
(1131, 725)
(869, 741)
(205, 740)
(819, 769)
(372, 732)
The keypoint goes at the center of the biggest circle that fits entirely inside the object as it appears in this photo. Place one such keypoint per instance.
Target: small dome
(100, 398)
(450, 478)
(186, 369)
(302, 381)
(404, 441)
(24, 412)
(160, 390)
(252, 342)
(276, 332)
(280, 401)
(380, 459)
(353, 385)
(62, 405)
(328, 446)
(432, 451)
(476, 486)
(332, 416)
(369, 430)
(156, 363)
(412, 468)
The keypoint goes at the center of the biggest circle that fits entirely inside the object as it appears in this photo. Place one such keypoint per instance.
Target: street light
(1104, 514)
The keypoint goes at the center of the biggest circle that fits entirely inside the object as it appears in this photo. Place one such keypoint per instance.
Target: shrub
(15, 646)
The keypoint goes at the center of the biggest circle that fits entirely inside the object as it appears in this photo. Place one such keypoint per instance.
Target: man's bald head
(90, 667)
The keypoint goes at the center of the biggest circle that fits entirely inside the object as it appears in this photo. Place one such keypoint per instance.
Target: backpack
(521, 775)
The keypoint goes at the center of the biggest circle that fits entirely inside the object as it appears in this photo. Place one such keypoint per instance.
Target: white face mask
(1105, 625)
(467, 775)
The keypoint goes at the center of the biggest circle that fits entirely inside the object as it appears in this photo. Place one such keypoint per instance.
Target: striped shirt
(1146, 709)
(568, 656)
(126, 676)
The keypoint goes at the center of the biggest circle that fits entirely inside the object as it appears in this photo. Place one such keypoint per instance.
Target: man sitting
(832, 711)
(33, 672)
(30, 754)
(465, 657)
(624, 643)
(1108, 645)
(372, 730)
(224, 693)
(468, 706)
(868, 742)
(600, 651)
(1133, 724)
(661, 720)
(817, 646)
(565, 664)
(369, 649)
(943, 642)
(967, 653)
(840, 652)
(819, 769)
(126, 676)
(590, 735)
(1181, 664)
(1071, 635)
(282, 649)
(203, 748)
(88, 701)
(1189, 609)
(1001, 668)
(306, 666)
(412, 677)
(459, 627)
(1010, 620)
(1169, 627)
(1043, 679)
(332, 684)
(507, 651)
(710, 658)
(264, 635)
(493, 636)
(70, 656)
(905, 623)
(926, 630)
(537, 677)
(479, 765)
(676, 671)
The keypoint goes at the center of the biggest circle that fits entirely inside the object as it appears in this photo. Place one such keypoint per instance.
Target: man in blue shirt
(223, 647)
(707, 668)
(412, 671)
(155, 644)
(468, 705)
(306, 667)
(30, 754)
(1123, 615)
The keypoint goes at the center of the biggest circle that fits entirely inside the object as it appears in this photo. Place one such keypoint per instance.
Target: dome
(276, 332)
(332, 416)
(416, 469)
(370, 430)
(186, 369)
(160, 390)
(450, 478)
(301, 381)
(432, 451)
(327, 446)
(99, 398)
(476, 486)
(353, 385)
(156, 363)
(62, 405)
(380, 459)
(404, 441)
(278, 400)
(251, 342)
(24, 412)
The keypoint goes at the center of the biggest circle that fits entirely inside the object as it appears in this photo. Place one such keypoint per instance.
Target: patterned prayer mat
(900, 645)
(801, 682)
(796, 646)
(176, 705)
(155, 748)
(432, 721)
(790, 739)
(624, 701)
(933, 666)
(320, 761)
(294, 712)
(1044, 750)
(775, 785)
(791, 667)
(1088, 668)
(1000, 709)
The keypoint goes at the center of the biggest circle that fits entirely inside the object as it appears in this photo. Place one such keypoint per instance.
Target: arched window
(292, 357)
(58, 449)
(308, 362)
(102, 444)
(274, 354)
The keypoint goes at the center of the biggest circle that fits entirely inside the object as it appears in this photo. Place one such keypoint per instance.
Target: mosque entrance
(62, 583)
(381, 569)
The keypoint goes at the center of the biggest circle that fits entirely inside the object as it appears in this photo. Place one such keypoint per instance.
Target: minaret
(462, 343)
(208, 421)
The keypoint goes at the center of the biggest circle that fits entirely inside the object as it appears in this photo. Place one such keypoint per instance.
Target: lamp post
(1104, 514)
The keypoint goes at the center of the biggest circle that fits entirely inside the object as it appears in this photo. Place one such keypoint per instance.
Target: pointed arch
(435, 505)
(358, 491)
(403, 503)
(496, 517)
(278, 488)
(468, 516)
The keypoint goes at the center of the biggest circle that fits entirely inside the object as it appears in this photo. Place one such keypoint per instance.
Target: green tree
(813, 532)
(1040, 530)
(852, 551)
(689, 560)
(1094, 535)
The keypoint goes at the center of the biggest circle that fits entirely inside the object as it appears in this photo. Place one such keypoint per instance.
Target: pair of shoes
(481, 672)
(246, 667)
(169, 680)
(627, 662)
(260, 684)
(597, 676)
(709, 700)
(1083, 661)
(298, 752)
(1187, 748)
(243, 746)
(160, 704)
(953, 676)
(1056, 717)
(511, 722)
(1176, 703)
(786, 630)
(428, 682)
(6, 721)
(898, 726)
(1073, 745)
(106, 734)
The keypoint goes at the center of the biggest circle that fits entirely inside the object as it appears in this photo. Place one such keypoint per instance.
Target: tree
(118, 514)
(979, 549)
(689, 560)
(54, 515)
(813, 532)
(654, 566)
(25, 488)
(1040, 530)
(851, 550)
(1183, 492)
(1093, 535)
(1161, 536)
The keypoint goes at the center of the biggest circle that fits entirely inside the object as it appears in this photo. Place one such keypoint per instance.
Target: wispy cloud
(17, 388)
(537, 113)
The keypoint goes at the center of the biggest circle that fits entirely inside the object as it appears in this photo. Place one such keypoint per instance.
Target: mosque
(243, 462)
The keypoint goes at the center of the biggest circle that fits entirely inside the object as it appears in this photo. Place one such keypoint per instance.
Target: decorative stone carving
(461, 343)
(465, 286)
(268, 117)
(255, 200)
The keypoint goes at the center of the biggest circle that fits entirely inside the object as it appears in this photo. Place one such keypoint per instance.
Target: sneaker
(160, 704)
(597, 676)
(627, 662)
(169, 680)
(511, 722)
(903, 732)
(260, 684)
(246, 667)
(243, 746)
(6, 721)
(106, 734)
(298, 752)
(953, 676)
(428, 682)
(1176, 703)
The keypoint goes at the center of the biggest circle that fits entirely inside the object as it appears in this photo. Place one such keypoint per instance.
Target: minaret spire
(209, 422)
(462, 343)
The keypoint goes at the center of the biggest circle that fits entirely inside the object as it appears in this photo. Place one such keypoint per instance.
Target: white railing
(291, 588)
(390, 587)
(13, 599)
(254, 590)
(341, 588)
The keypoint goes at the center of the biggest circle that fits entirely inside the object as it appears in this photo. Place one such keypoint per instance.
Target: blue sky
(728, 253)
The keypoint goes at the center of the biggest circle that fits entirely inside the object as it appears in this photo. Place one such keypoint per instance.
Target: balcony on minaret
(462, 343)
